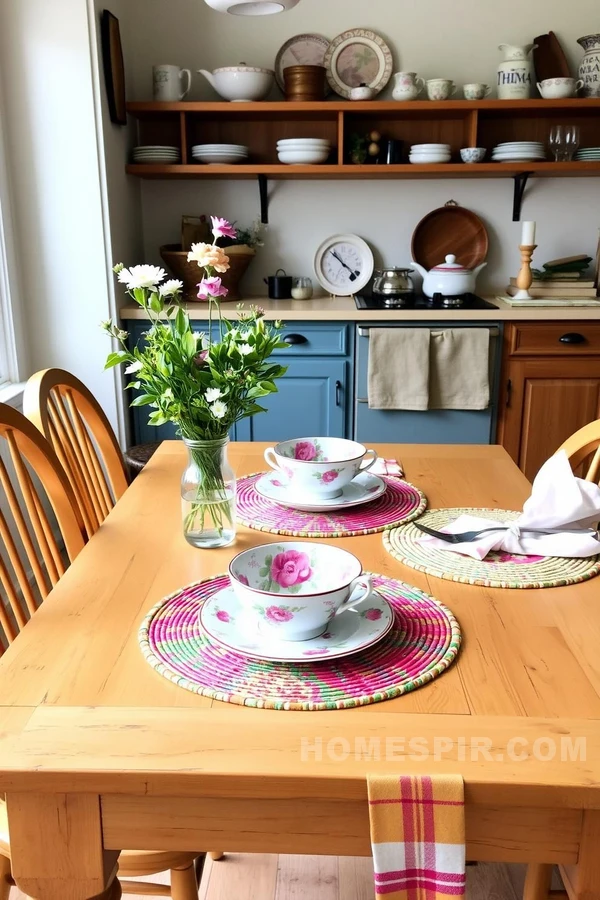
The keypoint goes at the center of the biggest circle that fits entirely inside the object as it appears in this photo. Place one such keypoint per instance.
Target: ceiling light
(252, 7)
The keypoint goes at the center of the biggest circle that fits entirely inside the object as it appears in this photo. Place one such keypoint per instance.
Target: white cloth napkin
(558, 500)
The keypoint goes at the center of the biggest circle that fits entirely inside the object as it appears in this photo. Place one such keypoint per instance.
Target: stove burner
(419, 301)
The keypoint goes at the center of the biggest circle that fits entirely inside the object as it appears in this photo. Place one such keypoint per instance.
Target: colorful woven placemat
(422, 644)
(402, 502)
(498, 569)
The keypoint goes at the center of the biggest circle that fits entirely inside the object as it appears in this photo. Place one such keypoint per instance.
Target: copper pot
(304, 83)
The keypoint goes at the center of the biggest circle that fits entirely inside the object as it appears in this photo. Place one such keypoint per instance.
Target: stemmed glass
(557, 142)
(571, 141)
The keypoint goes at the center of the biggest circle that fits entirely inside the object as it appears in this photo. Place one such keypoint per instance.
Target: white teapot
(449, 279)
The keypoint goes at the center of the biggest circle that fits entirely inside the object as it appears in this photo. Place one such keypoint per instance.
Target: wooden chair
(72, 420)
(32, 482)
(582, 445)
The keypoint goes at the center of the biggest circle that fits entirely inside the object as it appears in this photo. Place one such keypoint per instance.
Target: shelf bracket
(263, 187)
(520, 181)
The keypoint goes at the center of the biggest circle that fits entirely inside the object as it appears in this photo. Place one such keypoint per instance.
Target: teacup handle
(420, 83)
(488, 91)
(370, 462)
(578, 85)
(367, 588)
(271, 459)
(453, 90)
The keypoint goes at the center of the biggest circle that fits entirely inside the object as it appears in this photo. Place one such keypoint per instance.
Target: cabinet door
(310, 402)
(545, 401)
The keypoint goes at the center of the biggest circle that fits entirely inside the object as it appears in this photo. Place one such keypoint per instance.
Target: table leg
(583, 879)
(56, 847)
(537, 882)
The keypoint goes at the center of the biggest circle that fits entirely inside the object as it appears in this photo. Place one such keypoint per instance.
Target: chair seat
(132, 863)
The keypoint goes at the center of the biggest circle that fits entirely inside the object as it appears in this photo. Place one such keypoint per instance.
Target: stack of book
(561, 278)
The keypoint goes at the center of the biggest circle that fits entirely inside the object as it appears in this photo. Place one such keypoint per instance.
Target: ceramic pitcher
(515, 72)
(407, 86)
(589, 70)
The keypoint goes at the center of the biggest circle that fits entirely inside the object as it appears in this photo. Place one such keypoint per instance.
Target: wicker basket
(240, 257)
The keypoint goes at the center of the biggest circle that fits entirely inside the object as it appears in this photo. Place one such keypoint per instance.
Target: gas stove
(420, 301)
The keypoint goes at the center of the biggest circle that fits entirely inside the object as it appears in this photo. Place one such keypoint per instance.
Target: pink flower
(200, 358)
(330, 476)
(211, 287)
(504, 557)
(278, 614)
(373, 615)
(276, 483)
(223, 616)
(222, 228)
(315, 652)
(243, 580)
(290, 568)
(305, 450)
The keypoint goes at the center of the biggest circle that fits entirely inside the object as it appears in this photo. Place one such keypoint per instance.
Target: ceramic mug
(321, 467)
(476, 91)
(295, 588)
(559, 88)
(167, 82)
(440, 88)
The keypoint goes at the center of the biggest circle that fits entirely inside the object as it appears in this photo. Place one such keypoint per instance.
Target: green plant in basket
(203, 386)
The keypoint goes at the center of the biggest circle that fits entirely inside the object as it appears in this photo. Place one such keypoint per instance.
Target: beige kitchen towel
(398, 368)
(459, 376)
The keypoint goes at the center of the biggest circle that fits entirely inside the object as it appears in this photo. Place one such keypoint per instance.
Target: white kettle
(449, 279)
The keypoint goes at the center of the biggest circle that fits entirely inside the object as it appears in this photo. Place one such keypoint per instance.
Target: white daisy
(141, 276)
(219, 409)
(213, 394)
(170, 287)
(245, 349)
(134, 367)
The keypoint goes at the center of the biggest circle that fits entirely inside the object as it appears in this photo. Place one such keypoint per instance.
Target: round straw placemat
(422, 643)
(498, 569)
(402, 502)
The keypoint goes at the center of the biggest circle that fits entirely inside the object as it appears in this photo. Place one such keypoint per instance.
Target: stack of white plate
(156, 154)
(519, 151)
(303, 151)
(588, 154)
(430, 153)
(220, 154)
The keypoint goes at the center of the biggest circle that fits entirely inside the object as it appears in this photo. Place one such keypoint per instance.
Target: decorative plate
(226, 621)
(363, 489)
(358, 57)
(301, 50)
(344, 264)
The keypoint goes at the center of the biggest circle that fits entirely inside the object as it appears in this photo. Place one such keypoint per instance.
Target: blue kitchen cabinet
(314, 398)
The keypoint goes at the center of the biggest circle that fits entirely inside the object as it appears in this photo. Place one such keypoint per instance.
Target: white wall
(56, 170)
(458, 40)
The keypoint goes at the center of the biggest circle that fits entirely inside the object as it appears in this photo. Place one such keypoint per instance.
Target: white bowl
(429, 160)
(473, 154)
(222, 160)
(288, 142)
(303, 157)
(430, 147)
(232, 147)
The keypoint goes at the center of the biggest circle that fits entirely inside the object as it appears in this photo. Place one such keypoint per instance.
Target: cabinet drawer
(315, 339)
(555, 339)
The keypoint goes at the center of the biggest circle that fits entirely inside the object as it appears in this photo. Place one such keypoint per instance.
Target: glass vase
(208, 495)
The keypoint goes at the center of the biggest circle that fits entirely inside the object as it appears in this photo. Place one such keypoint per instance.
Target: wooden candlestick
(525, 278)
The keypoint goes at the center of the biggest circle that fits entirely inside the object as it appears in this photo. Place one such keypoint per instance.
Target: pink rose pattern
(243, 579)
(373, 615)
(278, 614)
(290, 568)
(305, 450)
(501, 556)
(327, 477)
(223, 616)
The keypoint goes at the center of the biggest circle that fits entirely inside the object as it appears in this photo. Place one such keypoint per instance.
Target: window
(10, 365)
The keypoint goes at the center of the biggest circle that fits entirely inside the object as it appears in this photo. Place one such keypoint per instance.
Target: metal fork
(467, 536)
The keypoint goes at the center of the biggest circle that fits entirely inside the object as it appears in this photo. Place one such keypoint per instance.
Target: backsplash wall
(432, 39)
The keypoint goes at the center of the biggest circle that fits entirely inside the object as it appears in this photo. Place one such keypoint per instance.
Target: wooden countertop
(343, 309)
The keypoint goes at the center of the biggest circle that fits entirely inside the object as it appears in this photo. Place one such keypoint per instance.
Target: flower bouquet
(200, 384)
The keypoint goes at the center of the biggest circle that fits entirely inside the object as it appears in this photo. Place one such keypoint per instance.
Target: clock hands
(353, 274)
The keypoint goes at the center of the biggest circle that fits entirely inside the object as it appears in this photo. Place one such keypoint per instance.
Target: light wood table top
(82, 712)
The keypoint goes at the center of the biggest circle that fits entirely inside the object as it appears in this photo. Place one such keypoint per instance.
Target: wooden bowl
(240, 257)
(450, 229)
(304, 83)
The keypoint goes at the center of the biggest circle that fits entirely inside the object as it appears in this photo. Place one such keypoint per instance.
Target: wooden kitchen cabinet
(551, 388)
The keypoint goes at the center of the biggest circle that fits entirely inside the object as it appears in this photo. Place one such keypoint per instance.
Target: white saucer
(224, 619)
(363, 489)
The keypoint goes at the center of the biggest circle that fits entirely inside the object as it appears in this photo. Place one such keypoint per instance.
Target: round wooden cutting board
(450, 229)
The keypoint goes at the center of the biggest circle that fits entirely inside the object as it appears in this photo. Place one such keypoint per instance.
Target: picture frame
(114, 68)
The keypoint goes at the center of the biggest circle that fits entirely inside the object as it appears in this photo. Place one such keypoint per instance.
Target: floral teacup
(319, 466)
(440, 88)
(476, 91)
(296, 588)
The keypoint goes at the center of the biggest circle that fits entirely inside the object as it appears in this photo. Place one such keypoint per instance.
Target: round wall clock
(344, 264)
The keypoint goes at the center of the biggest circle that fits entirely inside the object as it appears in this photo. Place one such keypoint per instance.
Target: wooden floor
(254, 877)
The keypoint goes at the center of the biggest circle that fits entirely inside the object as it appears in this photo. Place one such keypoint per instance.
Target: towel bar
(363, 330)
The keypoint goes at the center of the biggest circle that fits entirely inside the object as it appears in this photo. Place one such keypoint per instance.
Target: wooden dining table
(98, 752)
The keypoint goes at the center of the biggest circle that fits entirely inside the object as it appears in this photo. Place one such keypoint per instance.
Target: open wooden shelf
(446, 170)
(459, 123)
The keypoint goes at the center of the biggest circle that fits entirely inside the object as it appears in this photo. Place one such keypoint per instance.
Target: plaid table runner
(418, 836)
(387, 467)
